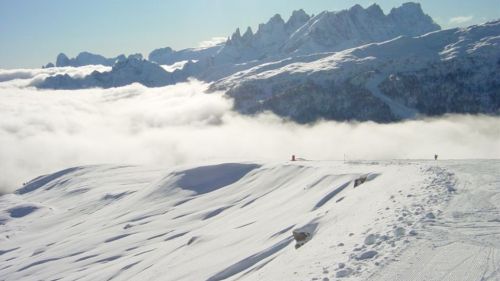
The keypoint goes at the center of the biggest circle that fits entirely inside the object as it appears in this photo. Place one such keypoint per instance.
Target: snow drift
(215, 221)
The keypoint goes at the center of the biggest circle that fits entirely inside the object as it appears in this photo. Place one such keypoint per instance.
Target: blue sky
(33, 32)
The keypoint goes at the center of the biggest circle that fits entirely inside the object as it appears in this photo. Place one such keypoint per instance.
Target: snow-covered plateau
(304, 220)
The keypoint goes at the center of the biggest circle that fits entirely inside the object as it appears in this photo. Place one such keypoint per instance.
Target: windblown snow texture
(228, 221)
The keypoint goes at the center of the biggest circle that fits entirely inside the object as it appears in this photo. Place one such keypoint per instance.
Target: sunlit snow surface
(216, 221)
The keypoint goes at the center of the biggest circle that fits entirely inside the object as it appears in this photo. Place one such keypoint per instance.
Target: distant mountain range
(355, 64)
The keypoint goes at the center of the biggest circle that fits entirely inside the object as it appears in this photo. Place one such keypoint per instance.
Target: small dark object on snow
(359, 181)
(293, 157)
(301, 238)
(435, 157)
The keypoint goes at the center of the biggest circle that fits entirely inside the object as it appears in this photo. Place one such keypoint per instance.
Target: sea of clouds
(42, 131)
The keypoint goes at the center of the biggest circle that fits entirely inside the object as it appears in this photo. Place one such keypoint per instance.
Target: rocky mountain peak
(296, 20)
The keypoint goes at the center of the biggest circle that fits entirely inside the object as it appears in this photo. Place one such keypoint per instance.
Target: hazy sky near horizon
(33, 32)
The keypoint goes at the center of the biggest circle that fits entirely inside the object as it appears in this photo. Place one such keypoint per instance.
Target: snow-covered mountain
(300, 35)
(125, 72)
(326, 32)
(355, 64)
(255, 221)
(449, 71)
(86, 58)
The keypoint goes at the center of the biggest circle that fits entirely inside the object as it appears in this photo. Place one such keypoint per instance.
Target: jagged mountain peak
(62, 60)
(236, 35)
(408, 8)
(412, 20)
(326, 32)
(298, 15)
(248, 34)
(296, 20)
(374, 10)
(276, 19)
(335, 31)
(356, 8)
(276, 22)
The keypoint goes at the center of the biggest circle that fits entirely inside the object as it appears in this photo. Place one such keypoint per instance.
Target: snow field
(231, 221)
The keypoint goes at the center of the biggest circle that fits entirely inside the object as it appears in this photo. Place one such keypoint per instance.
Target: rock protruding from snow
(303, 234)
(125, 72)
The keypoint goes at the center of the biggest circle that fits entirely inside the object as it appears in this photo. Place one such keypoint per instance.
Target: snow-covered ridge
(229, 220)
(326, 32)
(86, 58)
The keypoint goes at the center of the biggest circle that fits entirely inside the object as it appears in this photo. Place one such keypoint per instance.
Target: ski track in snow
(387, 220)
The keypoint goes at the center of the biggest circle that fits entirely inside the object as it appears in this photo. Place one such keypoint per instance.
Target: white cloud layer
(212, 42)
(461, 19)
(42, 131)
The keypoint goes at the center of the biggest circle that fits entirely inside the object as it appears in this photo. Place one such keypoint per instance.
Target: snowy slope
(229, 221)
